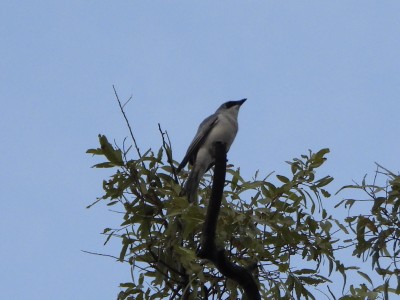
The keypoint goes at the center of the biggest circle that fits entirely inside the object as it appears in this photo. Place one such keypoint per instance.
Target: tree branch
(168, 149)
(208, 249)
(126, 120)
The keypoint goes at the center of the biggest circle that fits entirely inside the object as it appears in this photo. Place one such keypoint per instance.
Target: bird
(222, 126)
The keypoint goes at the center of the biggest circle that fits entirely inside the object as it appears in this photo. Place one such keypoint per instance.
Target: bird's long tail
(192, 183)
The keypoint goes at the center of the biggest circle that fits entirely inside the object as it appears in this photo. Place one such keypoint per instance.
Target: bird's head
(231, 105)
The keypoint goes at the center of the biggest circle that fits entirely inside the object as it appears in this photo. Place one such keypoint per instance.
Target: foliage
(378, 229)
(276, 226)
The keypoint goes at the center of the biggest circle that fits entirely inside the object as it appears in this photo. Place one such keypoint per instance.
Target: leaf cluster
(275, 226)
(377, 230)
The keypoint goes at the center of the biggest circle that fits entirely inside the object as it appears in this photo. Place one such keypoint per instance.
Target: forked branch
(208, 249)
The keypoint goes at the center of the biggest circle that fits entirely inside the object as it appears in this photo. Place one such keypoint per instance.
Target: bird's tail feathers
(192, 183)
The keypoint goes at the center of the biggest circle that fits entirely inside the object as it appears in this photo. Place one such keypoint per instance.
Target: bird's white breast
(224, 131)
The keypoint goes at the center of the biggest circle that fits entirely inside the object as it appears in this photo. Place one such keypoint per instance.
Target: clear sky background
(316, 74)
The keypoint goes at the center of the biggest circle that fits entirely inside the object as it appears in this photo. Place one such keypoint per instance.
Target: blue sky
(316, 74)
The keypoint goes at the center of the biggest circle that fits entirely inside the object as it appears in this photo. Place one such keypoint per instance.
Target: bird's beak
(240, 102)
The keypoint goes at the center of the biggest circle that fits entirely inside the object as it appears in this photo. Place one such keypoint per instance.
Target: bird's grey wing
(204, 129)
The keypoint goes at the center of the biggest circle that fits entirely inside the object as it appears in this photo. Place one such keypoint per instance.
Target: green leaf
(342, 227)
(283, 267)
(104, 165)
(282, 178)
(141, 279)
(123, 251)
(324, 181)
(159, 154)
(311, 280)
(127, 285)
(305, 271)
(106, 230)
(365, 276)
(322, 152)
(97, 151)
(325, 193)
(294, 167)
(112, 203)
(113, 155)
(326, 226)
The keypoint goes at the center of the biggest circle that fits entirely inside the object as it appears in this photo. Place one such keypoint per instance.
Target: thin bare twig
(127, 101)
(100, 254)
(126, 120)
(168, 152)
